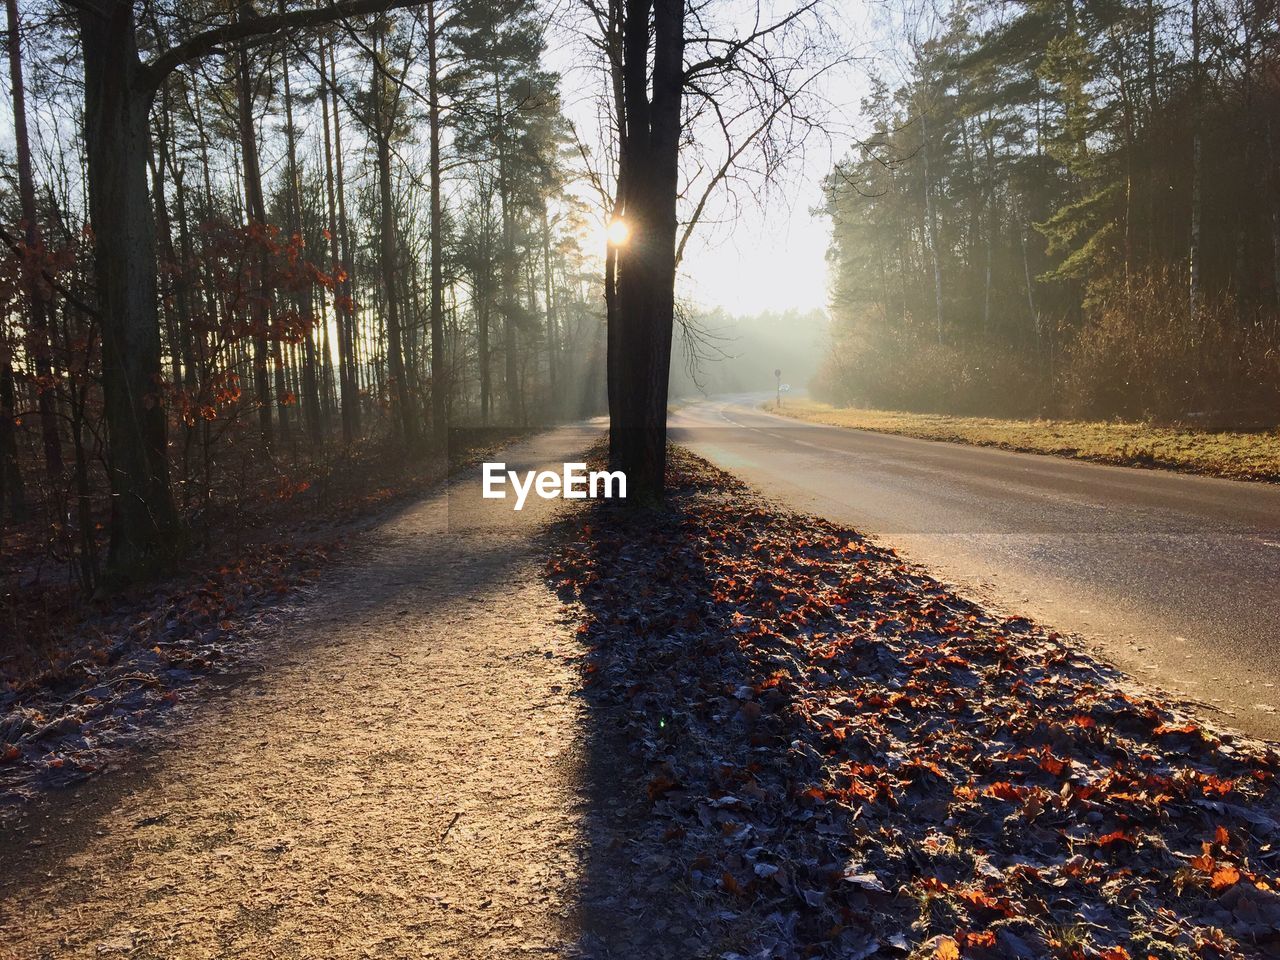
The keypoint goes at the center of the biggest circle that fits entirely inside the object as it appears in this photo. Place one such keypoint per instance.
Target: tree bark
(1193, 254)
(37, 307)
(549, 294)
(646, 268)
(1273, 197)
(311, 408)
(506, 266)
(439, 371)
(342, 292)
(13, 502)
(347, 329)
(145, 528)
(256, 209)
(931, 218)
(403, 413)
(612, 332)
(483, 300)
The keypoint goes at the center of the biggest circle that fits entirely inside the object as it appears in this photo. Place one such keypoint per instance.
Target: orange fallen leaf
(1051, 764)
(1205, 861)
(1002, 790)
(1165, 728)
(948, 949)
(986, 938)
(1226, 877)
(660, 785)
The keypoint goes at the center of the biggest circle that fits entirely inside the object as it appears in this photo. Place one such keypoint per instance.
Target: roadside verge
(1234, 456)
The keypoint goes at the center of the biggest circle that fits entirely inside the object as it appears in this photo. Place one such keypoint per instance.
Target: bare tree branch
(261, 28)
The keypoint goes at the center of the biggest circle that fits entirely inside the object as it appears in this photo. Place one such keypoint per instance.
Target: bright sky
(767, 251)
(772, 257)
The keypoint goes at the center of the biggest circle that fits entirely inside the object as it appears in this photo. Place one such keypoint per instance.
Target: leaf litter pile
(838, 757)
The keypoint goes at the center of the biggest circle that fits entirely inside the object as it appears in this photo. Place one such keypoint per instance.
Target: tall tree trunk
(1193, 254)
(211, 304)
(172, 310)
(993, 225)
(176, 310)
(13, 502)
(612, 352)
(37, 307)
(342, 290)
(482, 349)
(303, 302)
(613, 330)
(256, 209)
(440, 385)
(506, 267)
(1273, 194)
(1152, 151)
(1032, 314)
(145, 529)
(647, 263)
(186, 329)
(403, 413)
(1130, 147)
(931, 220)
(549, 295)
(347, 287)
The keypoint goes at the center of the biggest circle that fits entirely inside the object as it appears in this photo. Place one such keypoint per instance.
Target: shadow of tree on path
(799, 746)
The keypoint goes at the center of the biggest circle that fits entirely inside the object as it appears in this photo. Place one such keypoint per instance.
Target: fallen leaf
(1225, 877)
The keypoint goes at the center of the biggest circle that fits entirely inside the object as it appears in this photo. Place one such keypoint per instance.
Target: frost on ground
(827, 754)
(106, 687)
(396, 777)
(746, 734)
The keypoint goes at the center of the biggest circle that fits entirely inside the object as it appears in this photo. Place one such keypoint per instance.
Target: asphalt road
(1175, 579)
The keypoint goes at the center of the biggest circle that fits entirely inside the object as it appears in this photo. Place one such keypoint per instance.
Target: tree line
(241, 243)
(1066, 208)
(245, 243)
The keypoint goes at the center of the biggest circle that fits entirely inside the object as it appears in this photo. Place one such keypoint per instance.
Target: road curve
(1174, 578)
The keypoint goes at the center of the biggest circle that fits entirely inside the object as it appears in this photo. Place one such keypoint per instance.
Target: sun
(618, 232)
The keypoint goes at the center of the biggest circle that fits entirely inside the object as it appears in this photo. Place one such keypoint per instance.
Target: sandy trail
(403, 780)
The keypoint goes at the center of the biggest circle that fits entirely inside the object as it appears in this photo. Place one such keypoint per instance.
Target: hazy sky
(770, 258)
(760, 250)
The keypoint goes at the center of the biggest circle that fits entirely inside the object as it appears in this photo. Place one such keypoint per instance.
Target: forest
(248, 250)
(360, 234)
(1065, 209)
(399, 559)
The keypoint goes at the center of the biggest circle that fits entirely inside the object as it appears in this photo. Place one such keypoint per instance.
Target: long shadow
(679, 716)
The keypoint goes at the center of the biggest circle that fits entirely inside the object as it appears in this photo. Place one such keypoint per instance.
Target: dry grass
(1239, 456)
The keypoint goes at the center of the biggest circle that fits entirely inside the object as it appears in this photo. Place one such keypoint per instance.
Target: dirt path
(404, 781)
